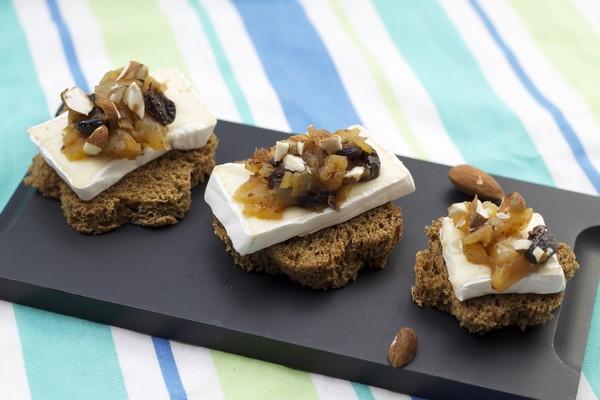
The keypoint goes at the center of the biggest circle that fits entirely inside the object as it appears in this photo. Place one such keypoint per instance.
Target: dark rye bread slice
(482, 314)
(330, 257)
(159, 193)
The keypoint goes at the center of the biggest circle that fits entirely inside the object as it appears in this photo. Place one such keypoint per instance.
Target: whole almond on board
(473, 181)
(403, 348)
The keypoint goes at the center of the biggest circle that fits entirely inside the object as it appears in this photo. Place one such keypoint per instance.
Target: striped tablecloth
(510, 86)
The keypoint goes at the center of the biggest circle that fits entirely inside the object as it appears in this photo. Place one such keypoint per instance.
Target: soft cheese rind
(252, 234)
(473, 280)
(191, 129)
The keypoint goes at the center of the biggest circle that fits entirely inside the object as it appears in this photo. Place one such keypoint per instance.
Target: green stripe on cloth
(568, 41)
(487, 133)
(137, 30)
(224, 66)
(362, 391)
(68, 358)
(591, 363)
(247, 379)
(383, 85)
(18, 80)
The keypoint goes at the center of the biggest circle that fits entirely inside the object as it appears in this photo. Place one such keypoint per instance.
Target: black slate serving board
(178, 283)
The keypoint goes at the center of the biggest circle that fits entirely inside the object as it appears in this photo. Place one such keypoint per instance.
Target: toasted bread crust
(486, 313)
(159, 193)
(331, 257)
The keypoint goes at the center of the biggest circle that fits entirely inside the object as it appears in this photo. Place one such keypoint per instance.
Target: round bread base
(486, 313)
(330, 257)
(156, 194)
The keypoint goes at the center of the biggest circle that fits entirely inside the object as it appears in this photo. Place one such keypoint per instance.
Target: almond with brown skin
(111, 111)
(133, 70)
(473, 181)
(403, 348)
(99, 137)
(75, 99)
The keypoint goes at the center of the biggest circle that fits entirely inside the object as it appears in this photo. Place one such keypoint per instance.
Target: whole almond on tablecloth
(473, 181)
(403, 348)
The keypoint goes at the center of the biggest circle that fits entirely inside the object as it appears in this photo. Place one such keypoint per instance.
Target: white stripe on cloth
(87, 40)
(200, 61)
(542, 128)
(355, 76)
(383, 394)
(139, 365)
(416, 102)
(197, 371)
(332, 388)
(262, 99)
(585, 391)
(546, 77)
(13, 378)
(46, 50)
(590, 11)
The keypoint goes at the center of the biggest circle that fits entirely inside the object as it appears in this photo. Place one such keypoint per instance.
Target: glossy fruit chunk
(122, 145)
(73, 144)
(508, 265)
(259, 201)
(331, 173)
(476, 254)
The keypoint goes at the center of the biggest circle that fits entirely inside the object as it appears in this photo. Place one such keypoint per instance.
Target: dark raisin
(87, 126)
(276, 176)
(372, 166)
(97, 113)
(159, 107)
(354, 155)
(541, 238)
(317, 200)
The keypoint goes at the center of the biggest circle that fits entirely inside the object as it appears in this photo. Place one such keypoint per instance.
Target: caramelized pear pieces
(494, 236)
(312, 171)
(129, 104)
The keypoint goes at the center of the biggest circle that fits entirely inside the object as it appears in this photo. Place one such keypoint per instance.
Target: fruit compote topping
(313, 171)
(127, 112)
(494, 236)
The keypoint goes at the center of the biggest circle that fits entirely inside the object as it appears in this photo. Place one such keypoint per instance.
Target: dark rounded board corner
(572, 327)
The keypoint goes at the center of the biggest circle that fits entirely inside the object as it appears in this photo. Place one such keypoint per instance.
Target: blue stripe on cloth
(297, 65)
(168, 367)
(362, 391)
(564, 125)
(67, 43)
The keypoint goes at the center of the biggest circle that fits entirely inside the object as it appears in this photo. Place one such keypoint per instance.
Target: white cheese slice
(473, 280)
(191, 129)
(249, 235)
